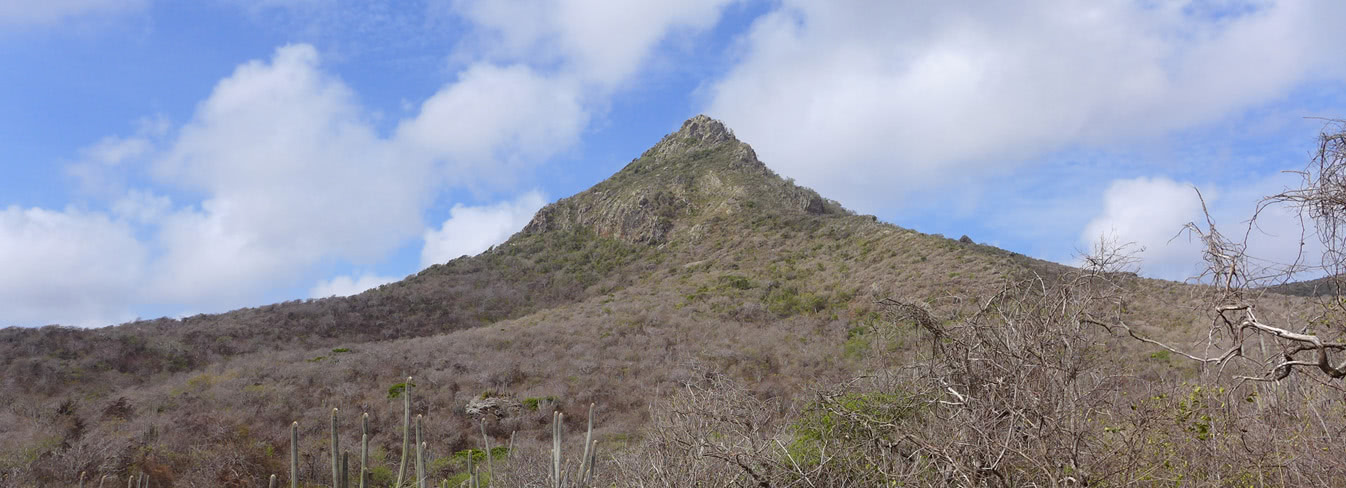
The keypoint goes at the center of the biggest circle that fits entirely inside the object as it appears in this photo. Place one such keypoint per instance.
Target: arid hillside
(695, 261)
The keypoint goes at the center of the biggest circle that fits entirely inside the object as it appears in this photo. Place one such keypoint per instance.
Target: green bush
(820, 428)
(397, 389)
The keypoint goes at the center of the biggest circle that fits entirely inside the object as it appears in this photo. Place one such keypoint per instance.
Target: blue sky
(172, 158)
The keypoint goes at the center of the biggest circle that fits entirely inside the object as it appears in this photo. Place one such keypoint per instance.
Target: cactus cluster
(559, 477)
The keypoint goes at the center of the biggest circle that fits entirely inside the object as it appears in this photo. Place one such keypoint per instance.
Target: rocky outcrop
(699, 170)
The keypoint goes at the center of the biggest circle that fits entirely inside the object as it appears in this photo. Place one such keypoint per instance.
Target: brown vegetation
(732, 330)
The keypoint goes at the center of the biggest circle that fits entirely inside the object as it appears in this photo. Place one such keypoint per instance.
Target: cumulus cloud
(47, 11)
(867, 100)
(471, 230)
(1151, 212)
(281, 169)
(344, 286)
(600, 42)
(496, 119)
(293, 172)
(70, 267)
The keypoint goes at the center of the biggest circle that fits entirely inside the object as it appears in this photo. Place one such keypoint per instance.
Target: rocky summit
(692, 175)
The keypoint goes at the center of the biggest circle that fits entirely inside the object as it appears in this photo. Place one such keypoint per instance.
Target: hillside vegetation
(693, 287)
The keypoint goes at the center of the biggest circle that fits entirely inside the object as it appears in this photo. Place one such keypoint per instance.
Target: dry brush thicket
(754, 344)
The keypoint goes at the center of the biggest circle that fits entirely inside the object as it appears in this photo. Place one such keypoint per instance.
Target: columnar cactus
(364, 449)
(556, 433)
(406, 434)
(345, 473)
(294, 455)
(490, 466)
(420, 456)
(336, 445)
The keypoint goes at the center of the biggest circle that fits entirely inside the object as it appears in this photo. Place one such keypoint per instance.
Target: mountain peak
(701, 134)
(695, 174)
(704, 131)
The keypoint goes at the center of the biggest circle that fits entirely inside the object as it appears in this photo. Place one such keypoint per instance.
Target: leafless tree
(1238, 280)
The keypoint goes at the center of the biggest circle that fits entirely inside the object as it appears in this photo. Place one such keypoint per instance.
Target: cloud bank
(873, 102)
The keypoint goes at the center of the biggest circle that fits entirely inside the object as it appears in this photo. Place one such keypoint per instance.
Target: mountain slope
(695, 257)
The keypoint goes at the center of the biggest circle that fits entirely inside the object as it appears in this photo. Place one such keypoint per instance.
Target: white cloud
(47, 11)
(600, 42)
(865, 100)
(1151, 213)
(471, 230)
(281, 169)
(495, 120)
(102, 167)
(70, 267)
(294, 174)
(344, 286)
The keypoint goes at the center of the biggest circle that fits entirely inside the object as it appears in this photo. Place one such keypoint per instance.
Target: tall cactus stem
(471, 470)
(294, 455)
(336, 448)
(556, 432)
(593, 456)
(490, 465)
(364, 449)
(588, 439)
(406, 432)
(345, 470)
(420, 456)
(272, 483)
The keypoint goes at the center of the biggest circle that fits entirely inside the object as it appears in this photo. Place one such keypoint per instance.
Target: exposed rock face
(498, 406)
(700, 170)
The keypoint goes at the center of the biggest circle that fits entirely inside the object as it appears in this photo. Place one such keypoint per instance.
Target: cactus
(556, 432)
(406, 434)
(490, 466)
(81, 479)
(588, 438)
(101, 480)
(559, 476)
(345, 474)
(336, 448)
(364, 449)
(420, 456)
(294, 455)
(471, 471)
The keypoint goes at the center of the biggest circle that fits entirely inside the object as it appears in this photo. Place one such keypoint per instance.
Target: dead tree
(1238, 280)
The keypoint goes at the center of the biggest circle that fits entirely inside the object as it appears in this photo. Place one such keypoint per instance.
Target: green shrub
(819, 428)
(397, 389)
(736, 282)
